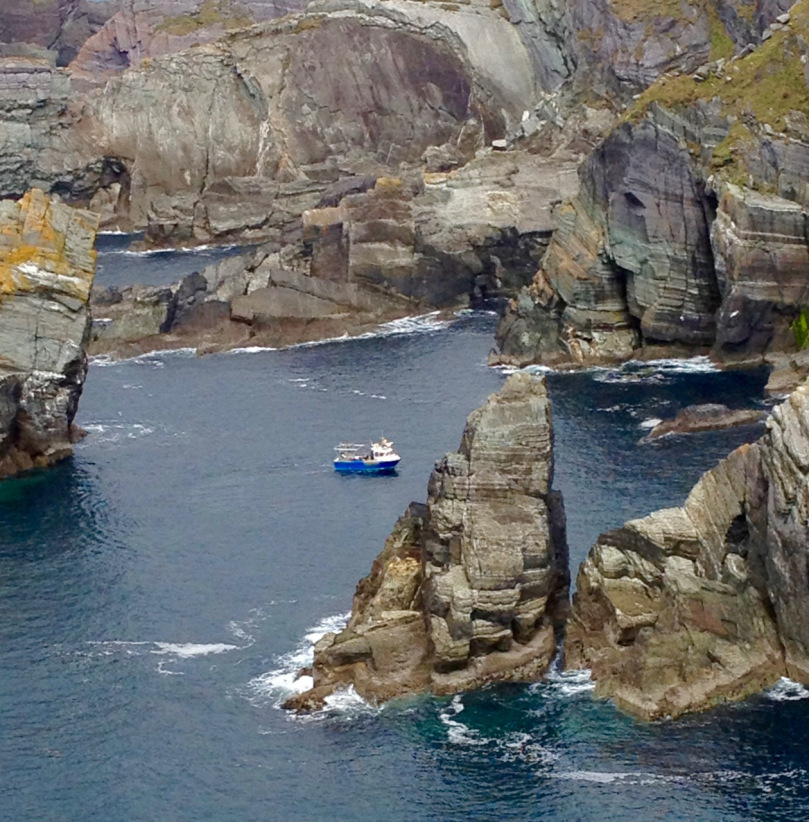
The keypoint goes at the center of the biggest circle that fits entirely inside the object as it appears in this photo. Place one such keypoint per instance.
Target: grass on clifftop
(768, 83)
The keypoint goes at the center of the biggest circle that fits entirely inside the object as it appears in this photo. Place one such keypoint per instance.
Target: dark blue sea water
(159, 591)
(119, 266)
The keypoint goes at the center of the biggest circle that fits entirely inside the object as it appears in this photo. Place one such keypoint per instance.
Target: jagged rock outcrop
(47, 264)
(372, 250)
(143, 29)
(470, 588)
(696, 605)
(689, 229)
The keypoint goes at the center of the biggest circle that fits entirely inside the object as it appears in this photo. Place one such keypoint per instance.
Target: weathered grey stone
(695, 605)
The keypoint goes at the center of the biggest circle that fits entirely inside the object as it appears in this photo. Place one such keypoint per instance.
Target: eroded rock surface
(47, 265)
(696, 605)
(369, 250)
(470, 588)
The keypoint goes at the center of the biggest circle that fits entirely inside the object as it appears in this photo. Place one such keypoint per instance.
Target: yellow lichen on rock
(45, 245)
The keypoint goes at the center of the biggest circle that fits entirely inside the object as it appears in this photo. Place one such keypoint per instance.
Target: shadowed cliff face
(690, 226)
(696, 605)
(60, 25)
(470, 588)
(47, 264)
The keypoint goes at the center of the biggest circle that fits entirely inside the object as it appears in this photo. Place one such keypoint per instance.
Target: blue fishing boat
(357, 459)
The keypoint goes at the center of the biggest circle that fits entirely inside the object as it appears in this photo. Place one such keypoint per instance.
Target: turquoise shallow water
(159, 591)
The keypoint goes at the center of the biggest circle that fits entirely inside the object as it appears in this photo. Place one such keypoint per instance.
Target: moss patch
(210, 14)
(722, 46)
(631, 11)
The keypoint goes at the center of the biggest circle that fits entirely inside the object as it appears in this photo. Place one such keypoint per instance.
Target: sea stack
(47, 265)
(472, 587)
(693, 606)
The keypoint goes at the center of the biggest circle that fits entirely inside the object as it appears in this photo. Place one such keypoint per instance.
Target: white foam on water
(652, 422)
(566, 683)
(787, 690)
(161, 669)
(421, 324)
(250, 349)
(153, 359)
(186, 650)
(102, 360)
(522, 747)
(457, 732)
(537, 370)
(611, 777)
(282, 681)
(106, 432)
(243, 629)
(690, 365)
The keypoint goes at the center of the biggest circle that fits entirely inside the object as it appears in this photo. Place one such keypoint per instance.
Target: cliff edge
(47, 265)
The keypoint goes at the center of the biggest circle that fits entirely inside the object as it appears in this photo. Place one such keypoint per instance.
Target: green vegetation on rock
(800, 327)
(763, 86)
(210, 13)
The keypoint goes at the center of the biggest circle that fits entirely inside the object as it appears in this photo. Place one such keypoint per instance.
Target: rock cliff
(59, 25)
(692, 606)
(370, 250)
(689, 226)
(47, 264)
(472, 587)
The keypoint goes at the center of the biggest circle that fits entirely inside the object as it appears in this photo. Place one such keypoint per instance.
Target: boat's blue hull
(363, 467)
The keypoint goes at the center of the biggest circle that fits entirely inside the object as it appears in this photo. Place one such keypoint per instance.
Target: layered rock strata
(47, 264)
(696, 605)
(689, 228)
(472, 587)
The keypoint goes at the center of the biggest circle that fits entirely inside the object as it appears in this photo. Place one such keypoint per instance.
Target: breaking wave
(284, 680)
(787, 690)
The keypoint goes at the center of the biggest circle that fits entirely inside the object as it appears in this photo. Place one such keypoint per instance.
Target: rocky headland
(473, 587)
(693, 606)
(47, 265)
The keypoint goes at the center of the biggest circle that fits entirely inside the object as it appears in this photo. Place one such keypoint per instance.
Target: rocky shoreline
(633, 179)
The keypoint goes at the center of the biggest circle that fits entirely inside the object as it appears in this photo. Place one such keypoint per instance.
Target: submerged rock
(472, 587)
(696, 605)
(707, 417)
(47, 265)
